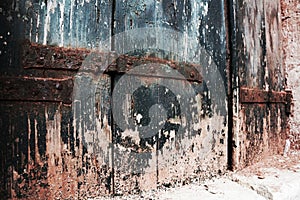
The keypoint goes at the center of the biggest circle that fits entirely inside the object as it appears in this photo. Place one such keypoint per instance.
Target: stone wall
(291, 60)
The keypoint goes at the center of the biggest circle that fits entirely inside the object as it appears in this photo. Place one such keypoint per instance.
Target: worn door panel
(260, 104)
(194, 143)
(47, 147)
(276, 71)
(170, 131)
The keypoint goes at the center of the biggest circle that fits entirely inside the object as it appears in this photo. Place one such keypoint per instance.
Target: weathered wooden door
(113, 97)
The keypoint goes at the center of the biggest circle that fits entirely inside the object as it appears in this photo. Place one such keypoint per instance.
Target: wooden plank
(92, 128)
(134, 157)
(189, 150)
(251, 48)
(275, 76)
(68, 23)
(36, 107)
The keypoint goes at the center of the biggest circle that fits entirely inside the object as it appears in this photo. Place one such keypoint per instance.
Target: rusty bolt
(192, 74)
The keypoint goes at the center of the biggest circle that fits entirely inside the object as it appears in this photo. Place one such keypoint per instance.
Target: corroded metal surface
(36, 89)
(42, 57)
(248, 95)
(38, 56)
(125, 63)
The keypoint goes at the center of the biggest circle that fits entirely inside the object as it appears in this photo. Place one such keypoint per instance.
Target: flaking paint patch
(61, 22)
(204, 7)
(253, 27)
(54, 150)
(193, 154)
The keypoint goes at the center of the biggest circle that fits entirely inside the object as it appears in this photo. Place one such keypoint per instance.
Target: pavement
(276, 184)
(274, 178)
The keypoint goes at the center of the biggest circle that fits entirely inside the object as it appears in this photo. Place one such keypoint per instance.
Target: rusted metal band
(36, 56)
(36, 89)
(189, 71)
(249, 95)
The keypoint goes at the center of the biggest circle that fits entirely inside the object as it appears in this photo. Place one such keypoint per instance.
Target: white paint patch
(133, 134)
(175, 121)
(71, 20)
(166, 133)
(61, 23)
(47, 26)
(204, 6)
(139, 117)
(52, 4)
(30, 31)
(37, 29)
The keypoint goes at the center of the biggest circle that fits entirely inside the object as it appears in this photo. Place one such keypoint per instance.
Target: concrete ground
(276, 177)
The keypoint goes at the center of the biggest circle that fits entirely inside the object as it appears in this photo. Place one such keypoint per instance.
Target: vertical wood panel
(92, 127)
(275, 76)
(67, 23)
(259, 128)
(201, 147)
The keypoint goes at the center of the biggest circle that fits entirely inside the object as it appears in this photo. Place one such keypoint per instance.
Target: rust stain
(37, 56)
(264, 132)
(250, 95)
(52, 57)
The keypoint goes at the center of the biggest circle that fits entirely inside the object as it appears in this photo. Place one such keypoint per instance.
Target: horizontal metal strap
(37, 56)
(250, 95)
(37, 89)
